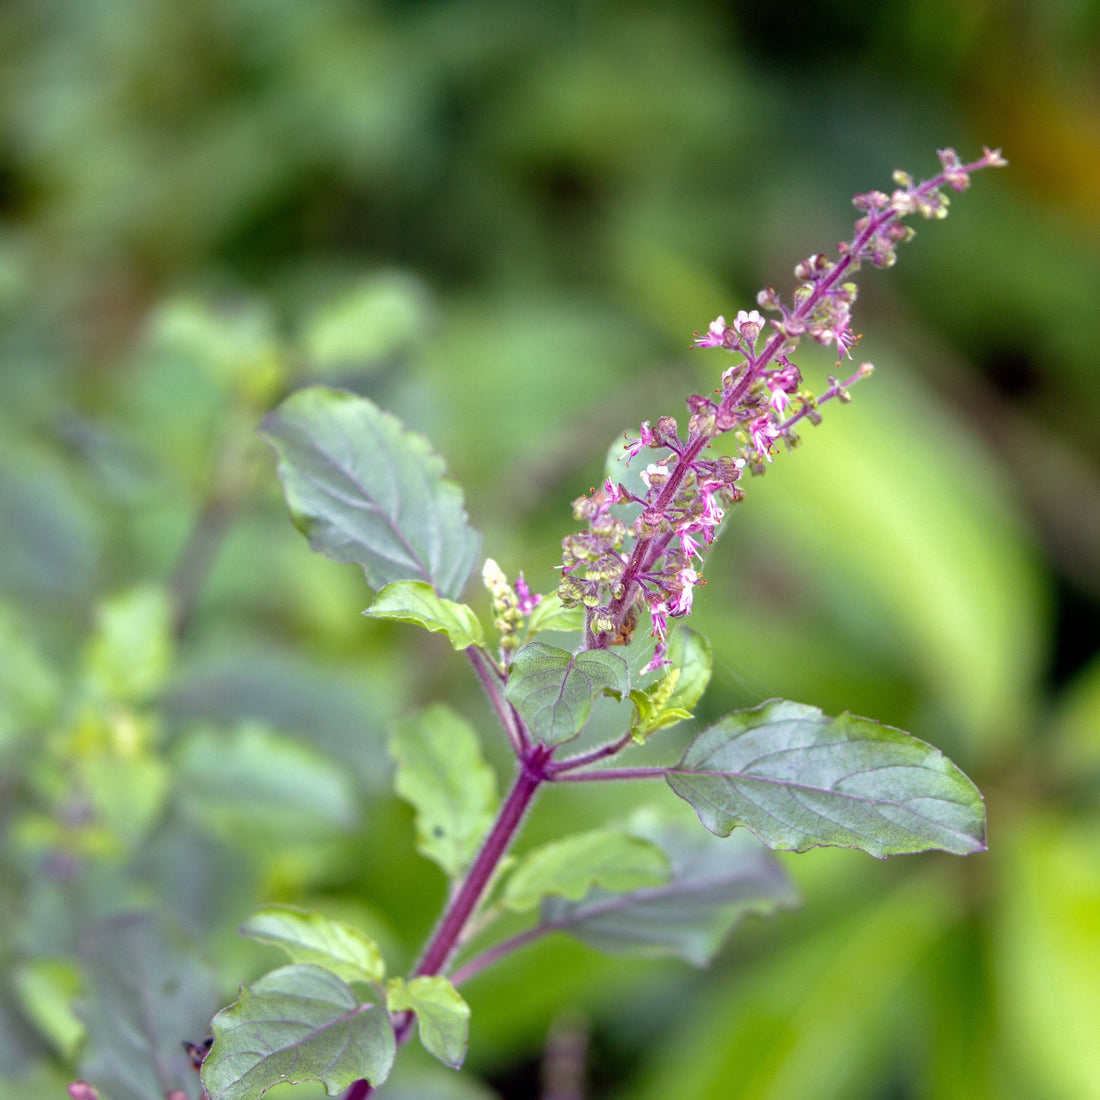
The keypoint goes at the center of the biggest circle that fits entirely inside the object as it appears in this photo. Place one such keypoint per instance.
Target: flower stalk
(610, 568)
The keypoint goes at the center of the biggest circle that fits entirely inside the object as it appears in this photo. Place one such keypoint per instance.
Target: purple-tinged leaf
(364, 489)
(553, 690)
(799, 779)
(298, 1023)
(715, 884)
(148, 989)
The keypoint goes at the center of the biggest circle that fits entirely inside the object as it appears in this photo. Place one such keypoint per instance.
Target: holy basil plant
(574, 678)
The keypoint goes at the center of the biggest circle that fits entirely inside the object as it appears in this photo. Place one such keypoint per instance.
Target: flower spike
(609, 567)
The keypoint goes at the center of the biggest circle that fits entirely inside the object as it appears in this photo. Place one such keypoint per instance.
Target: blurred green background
(504, 221)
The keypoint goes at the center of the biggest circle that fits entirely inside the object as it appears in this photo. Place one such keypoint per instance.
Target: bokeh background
(504, 221)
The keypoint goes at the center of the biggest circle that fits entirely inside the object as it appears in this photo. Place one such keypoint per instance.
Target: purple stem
(445, 940)
(449, 930)
(497, 952)
(555, 768)
(598, 774)
(492, 681)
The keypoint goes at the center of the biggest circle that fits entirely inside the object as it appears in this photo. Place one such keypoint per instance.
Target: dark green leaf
(553, 690)
(147, 990)
(364, 489)
(715, 884)
(441, 773)
(442, 1016)
(800, 780)
(309, 937)
(570, 867)
(299, 1023)
(417, 602)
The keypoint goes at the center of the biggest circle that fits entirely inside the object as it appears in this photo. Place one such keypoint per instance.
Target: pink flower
(681, 605)
(689, 545)
(613, 493)
(647, 438)
(764, 434)
(749, 326)
(717, 335)
(525, 600)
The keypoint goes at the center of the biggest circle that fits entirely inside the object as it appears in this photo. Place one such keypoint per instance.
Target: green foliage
(368, 324)
(441, 773)
(670, 699)
(250, 780)
(550, 615)
(29, 688)
(554, 690)
(130, 653)
(442, 1016)
(133, 1049)
(298, 1023)
(713, 886)
(492, 220)
(46, 989)
(312, 938)
(570, 867)
(416, 602)
(799, 779)
(365, 490)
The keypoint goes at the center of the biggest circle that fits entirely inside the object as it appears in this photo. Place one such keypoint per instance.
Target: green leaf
(299, 1023)
(130, 654)
(47, 988)
(416, 602)
(238, 344)
(364, 489)
(800, 780)
(550, 615)
(715, 883)
(570, 867)
(669, 700)
(441, 773)
(309, 937)
(128, 790)
(690, 652)
(254, 782)
(29, 688)
(368, 325)
(146, 990)
(442, 1016)
(553, 690)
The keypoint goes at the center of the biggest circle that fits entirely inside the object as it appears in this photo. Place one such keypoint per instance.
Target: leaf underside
(715, 884)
